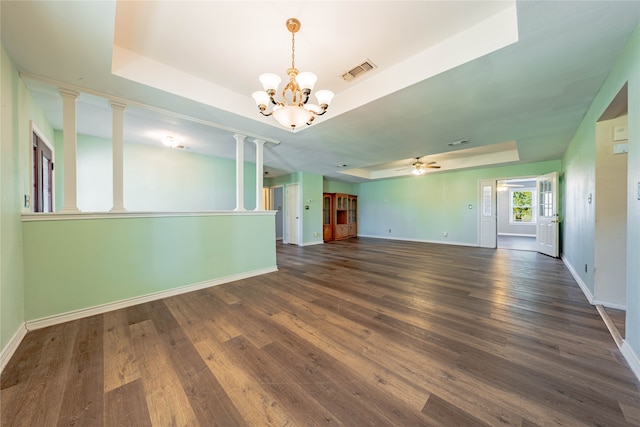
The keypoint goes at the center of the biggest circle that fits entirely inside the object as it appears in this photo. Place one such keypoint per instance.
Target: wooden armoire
(340, 216)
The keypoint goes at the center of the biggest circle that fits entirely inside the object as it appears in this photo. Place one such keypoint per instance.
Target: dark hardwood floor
(361, 332)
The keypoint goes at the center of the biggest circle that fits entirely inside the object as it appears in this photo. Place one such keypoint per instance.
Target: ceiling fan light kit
(293, 111)
(419, 168)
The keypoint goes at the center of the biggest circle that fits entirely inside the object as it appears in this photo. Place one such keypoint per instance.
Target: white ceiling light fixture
(172, 141)
(418, 167)
(294, 110)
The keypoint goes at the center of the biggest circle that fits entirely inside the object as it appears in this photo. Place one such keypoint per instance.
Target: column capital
(68, 93)
(239, 138)
(117, 105)
(259, 141)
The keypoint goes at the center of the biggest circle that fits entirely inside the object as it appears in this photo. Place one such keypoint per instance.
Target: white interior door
(293, 214)
(547, 236)
(488, 215)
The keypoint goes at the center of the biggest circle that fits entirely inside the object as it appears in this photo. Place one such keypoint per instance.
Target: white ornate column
(259, 174)
(117, 136)
(239, 172)
(70, 138)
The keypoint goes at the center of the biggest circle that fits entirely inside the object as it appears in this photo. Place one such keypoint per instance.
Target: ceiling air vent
(358, 70)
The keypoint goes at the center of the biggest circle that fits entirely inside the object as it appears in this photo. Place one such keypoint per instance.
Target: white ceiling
(495, 73)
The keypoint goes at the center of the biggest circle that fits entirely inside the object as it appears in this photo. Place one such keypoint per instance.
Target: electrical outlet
(389, 230)
(445, 234)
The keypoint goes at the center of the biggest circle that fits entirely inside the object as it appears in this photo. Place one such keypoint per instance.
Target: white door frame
(293, 216)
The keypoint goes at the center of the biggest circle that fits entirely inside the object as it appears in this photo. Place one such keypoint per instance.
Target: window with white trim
(522, 206)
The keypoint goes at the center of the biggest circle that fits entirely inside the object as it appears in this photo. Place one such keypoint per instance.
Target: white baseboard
(516, 235)
(607, 304)
(103, 308)
(632, 358)
(404, 239)
(585, 290)
(12, 346)
(321, 242)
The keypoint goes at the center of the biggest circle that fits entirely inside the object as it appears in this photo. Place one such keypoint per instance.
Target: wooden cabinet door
(327, 216)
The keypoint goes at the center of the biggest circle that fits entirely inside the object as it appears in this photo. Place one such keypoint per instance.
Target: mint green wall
(425, 207)
(311, 196)
(18, 109)
(579, 171)
(310, 189)
(339, 187)
(84, 263)
(155, 178)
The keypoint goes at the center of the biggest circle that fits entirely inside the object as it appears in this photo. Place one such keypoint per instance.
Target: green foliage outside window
(522, 206)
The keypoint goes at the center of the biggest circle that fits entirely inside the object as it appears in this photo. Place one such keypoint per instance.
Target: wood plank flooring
(361, 332)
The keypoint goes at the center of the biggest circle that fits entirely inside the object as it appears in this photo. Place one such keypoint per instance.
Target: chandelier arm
(305, 94)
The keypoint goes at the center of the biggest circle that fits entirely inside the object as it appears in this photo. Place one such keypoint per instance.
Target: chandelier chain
(293, 50)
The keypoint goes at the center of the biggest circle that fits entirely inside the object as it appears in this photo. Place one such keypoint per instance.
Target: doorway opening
(42, 173)
(610, 237)
(538, 205)
(516, 214)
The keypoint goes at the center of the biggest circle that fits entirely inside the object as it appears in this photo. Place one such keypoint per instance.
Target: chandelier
(293, 110)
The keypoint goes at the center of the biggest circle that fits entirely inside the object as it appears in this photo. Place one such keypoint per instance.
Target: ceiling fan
(419, 167)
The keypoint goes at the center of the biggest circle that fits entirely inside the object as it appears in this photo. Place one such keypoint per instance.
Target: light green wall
(85, 263)
(339, 187)
(155, 178)
(18, 109)
(579, 171)
(425, 207)
(311, 196)
(310, 189)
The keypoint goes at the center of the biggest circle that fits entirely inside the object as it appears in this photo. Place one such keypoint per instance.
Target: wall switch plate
(620, 133)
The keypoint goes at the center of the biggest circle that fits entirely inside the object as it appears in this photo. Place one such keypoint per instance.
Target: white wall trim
(103, 308)
(631, 357)
(321, 242)
(517, 234)
(421, 240)
(622, 307)
(585, 290)
(46, 216)
(12, 346)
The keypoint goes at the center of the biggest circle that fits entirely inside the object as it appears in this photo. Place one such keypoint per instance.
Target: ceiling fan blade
(433, 166)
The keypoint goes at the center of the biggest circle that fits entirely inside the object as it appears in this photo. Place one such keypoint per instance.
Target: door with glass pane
(488, 218)
(327, 216)
(547, 236)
